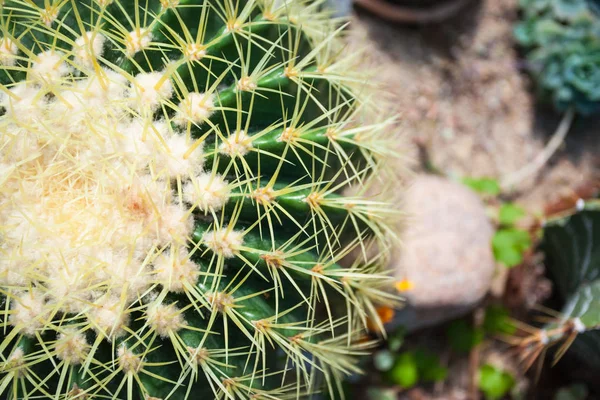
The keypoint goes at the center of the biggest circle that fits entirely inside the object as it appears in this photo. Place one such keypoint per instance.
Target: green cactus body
(172, 207)
(562, 43)
(572, 250)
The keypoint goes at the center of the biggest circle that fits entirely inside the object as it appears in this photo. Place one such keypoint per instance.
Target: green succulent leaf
(583, 72)
(547, 31)
(569, 9)
(561, 39)
(524, 33)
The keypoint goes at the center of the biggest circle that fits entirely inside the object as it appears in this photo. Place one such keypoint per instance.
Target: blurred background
(500, 257)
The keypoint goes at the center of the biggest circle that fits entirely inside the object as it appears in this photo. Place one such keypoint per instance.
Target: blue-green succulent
(561, 39)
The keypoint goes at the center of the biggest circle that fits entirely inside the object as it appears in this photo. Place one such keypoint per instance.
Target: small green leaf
(508, 256)
(463, 337)
(405, 372)
(509, 245)
(497, 321)
(483, 185)
(510, 213)
(494, 382)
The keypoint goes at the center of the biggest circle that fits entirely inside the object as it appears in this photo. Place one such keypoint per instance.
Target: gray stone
(446, 252)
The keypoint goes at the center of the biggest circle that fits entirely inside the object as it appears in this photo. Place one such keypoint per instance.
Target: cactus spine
(171, 208)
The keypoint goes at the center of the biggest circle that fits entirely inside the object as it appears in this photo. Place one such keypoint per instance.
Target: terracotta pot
(413, 11)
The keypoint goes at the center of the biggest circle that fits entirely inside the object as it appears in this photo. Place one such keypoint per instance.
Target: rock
(446, 252)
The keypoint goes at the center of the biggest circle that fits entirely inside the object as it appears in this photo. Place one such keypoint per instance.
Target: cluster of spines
(195, 290)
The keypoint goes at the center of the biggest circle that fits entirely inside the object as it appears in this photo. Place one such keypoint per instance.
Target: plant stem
(512, 180)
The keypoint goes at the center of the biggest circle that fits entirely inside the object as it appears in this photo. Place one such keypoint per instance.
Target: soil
(463, 95)
(468, 105)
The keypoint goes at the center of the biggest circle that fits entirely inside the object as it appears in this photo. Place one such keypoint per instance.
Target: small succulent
(180, 181)
(562, 43)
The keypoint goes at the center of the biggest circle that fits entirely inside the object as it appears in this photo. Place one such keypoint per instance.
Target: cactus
(180, 183)
(562, 43)
(571, 247)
